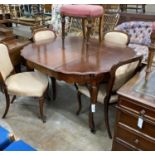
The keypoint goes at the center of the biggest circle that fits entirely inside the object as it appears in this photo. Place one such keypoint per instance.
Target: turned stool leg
(63, 30)
(100, 29)
(89, 27)
(84, 28)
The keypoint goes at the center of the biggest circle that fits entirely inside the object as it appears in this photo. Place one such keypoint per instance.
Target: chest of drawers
(135, 120)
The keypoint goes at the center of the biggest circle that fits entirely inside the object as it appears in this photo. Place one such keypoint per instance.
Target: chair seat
(4, 138)
(27, 84)
(82, 10)
(101, 93)
(19, 146)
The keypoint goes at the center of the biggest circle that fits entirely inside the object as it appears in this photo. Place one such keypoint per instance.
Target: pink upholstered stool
(86, 12)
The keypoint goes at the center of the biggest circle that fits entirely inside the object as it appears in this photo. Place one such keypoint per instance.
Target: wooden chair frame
(7, 97)
(109, 91)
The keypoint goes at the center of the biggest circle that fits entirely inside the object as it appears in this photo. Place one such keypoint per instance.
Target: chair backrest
(123, 71)
(138, 31)
(117, 37)
(43, 35)
(6, 66)
(110, 21)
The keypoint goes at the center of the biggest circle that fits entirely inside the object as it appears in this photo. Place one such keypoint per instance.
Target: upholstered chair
(84, 12)
(117, 38)
(22, 84)
(139, 33)
(43, 35)
(119, 75)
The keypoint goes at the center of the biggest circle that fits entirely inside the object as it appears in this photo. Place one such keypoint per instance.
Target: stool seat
(82, 10)
(85, 12)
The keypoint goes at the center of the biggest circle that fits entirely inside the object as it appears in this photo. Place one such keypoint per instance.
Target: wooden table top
(75, 58)
(139, 89)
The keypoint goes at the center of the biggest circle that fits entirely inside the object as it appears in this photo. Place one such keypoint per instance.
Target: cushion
(5, 63)
(101, 93)
(116, 38)
(123, 74)
(4, 138)
(138, 31)
(19, 145)
(43, 35)
(82, 10)
(27, 84)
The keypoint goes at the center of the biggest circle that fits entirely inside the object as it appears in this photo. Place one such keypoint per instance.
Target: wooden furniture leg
(93, 93)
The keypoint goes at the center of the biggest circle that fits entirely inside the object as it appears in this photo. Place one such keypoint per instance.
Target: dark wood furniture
(77, 63)
(125, 17)
(135, 121)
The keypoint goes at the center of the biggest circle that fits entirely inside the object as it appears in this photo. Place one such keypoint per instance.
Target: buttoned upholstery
(21, 84)
(116, 37)
(139, 33)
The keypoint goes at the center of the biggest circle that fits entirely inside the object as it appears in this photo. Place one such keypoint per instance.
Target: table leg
(93, 95)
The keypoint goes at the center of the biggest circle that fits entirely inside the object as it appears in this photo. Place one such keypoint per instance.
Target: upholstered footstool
(85, 12)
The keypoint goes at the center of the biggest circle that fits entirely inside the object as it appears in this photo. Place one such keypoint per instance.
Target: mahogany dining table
(78, 62)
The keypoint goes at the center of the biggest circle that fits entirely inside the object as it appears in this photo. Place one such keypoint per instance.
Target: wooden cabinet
(135, 122)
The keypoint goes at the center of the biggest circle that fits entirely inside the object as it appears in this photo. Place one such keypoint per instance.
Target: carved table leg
(93, 94)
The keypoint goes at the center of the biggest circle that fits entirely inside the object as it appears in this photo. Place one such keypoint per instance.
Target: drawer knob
(136, 141)
(142, 112)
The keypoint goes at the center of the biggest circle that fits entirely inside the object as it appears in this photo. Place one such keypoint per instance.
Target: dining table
(79, 62)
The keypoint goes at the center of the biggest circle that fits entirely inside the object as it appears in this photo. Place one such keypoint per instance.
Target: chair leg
(63, 30)
(91, 121)
(7, 97)
(13, 98)
(41, 106)
(106, 119)
(53, 87)
(79, 103)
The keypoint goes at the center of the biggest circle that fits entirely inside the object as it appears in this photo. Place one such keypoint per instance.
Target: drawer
(120, 147)
(131, 121)
(134, 139)
(137, 108)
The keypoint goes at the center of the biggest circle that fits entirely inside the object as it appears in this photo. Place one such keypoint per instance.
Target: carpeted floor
(63, 129)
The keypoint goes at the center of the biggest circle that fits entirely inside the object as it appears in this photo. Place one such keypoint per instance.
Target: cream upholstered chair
(43, 35)
(119, 74)
(21, 84)
(117, 37)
